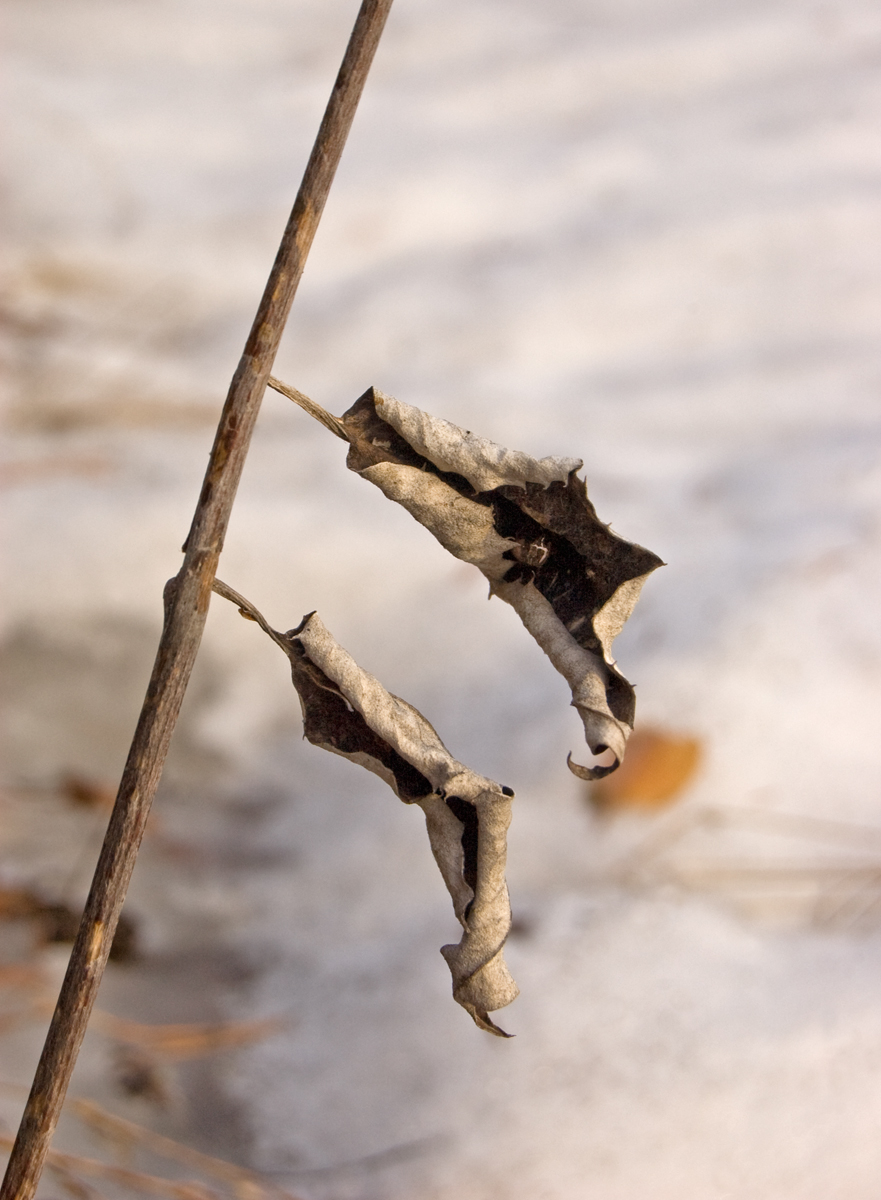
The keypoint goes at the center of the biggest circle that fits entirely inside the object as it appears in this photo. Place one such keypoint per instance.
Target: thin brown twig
(334, 424)
(186, 608)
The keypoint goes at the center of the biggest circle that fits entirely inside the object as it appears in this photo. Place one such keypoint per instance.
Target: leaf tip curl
(483, 1021)
(591, 773)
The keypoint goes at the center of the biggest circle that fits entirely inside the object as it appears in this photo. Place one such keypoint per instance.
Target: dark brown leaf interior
(328, 720)
(467, 814)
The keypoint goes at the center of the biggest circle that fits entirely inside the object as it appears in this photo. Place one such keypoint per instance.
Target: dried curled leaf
(349, 712)
(529, 526)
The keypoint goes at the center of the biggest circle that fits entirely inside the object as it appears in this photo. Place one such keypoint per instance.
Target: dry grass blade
(18, 1089)
(838, 885)
(845, 908)
(177, 1042)
(128, 1133)
(800, 825)
(74, 1187)
(817, 829)
(22, 976)
(701, 874)
(37, 1011)
(631, 869)
(25, 472)
(137, 1181)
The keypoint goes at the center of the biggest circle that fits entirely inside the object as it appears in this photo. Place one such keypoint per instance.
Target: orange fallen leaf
(658, 767)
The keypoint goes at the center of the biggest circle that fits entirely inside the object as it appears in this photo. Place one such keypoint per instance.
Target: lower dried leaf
(349, 712)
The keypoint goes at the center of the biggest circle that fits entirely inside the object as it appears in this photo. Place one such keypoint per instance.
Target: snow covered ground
(646, 234)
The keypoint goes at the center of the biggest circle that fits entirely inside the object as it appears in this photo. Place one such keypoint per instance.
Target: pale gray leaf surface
(529, 526)
(484, 464)
(349, 712)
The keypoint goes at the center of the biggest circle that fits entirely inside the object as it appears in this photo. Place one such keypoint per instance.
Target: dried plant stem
(186, 607)
(247, 610)
(334, 424)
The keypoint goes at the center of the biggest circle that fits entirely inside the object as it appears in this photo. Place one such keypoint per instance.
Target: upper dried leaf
(529, 526)
(484, 464)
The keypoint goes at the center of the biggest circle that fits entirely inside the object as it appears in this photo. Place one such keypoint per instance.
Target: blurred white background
(644, 234)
